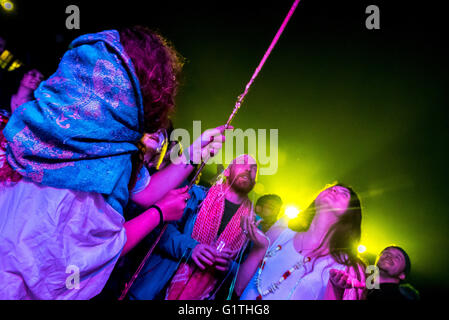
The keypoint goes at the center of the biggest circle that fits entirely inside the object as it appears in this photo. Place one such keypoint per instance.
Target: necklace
(275, 285)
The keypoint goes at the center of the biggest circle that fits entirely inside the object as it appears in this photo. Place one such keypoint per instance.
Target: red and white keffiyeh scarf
(189, 282)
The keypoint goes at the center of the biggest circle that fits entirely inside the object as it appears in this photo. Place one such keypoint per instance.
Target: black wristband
(161, 216)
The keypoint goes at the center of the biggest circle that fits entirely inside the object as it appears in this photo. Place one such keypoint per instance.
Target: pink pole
(237, 106)
(262, 62)
(256, 72)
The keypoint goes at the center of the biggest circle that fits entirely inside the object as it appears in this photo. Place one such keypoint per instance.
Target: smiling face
(32, 79)
(335, 199)
(392, 262)
(242, 174)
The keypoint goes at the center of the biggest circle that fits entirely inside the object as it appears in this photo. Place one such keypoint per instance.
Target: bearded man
(196, 253)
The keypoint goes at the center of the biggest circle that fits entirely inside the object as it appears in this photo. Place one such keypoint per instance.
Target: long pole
(253, 77)
(228, 123)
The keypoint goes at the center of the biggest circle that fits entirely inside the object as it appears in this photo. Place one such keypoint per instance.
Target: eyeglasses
(162, 140)
(162, 146)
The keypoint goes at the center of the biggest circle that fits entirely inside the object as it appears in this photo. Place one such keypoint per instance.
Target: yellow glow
(291, 212)
(259, 188)
(16, 64)
(5, 58)
(7, 5)
(361, 248)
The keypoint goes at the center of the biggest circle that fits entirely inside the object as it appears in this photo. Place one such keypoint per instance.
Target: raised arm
(251, 264)
(170, 177)
(172, 207)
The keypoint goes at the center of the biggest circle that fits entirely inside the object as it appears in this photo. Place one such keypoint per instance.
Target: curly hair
(158, 67)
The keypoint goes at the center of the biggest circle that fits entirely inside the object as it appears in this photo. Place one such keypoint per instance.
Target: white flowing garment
(50, 238)
(301, 284)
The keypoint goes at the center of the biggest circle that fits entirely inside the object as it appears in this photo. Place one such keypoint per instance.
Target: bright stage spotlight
(7, 5)
(361, 248)
(291, 212)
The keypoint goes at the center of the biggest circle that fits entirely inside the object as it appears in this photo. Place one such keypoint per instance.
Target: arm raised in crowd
(261, 243)
(170, 177)
(172, 207)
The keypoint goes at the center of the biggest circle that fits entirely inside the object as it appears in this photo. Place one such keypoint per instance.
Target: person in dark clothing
(267, 208)
(394, 267)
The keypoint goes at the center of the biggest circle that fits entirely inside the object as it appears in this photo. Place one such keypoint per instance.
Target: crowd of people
(87, 183)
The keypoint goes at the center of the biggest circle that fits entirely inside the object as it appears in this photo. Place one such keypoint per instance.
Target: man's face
(269, 210)
(391, 261)
(242, 175)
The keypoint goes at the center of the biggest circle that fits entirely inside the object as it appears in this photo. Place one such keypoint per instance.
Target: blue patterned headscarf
(81, 129)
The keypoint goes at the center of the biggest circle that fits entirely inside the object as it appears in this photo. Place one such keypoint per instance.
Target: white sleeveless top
(302, 284)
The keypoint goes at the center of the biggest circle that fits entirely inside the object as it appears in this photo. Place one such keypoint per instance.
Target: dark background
(366, 107)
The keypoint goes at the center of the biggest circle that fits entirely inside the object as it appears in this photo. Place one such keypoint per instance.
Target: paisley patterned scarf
(80, 131)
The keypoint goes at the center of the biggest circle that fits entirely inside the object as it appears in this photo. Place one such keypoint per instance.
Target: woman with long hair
(20, 87)
(72, 157)
(17, 90)
(303, 261)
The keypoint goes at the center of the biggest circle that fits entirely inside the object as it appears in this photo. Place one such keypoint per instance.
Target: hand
(253, 233)
(203, 255)
(174, 203)
(208, 144)
(224, 258)
(341, 279)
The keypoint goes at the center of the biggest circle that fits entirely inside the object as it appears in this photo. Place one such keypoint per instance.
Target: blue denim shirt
(175, 246)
